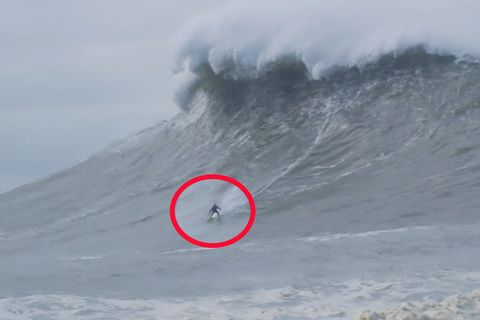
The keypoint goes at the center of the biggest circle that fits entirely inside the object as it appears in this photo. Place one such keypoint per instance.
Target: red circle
(220, 244)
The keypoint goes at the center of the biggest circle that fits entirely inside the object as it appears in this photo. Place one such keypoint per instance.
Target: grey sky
(77, 75)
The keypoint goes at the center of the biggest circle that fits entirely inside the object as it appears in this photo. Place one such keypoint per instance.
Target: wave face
(368, 174)
(396, 139)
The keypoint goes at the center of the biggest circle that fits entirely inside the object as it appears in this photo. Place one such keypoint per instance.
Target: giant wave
(366, 172)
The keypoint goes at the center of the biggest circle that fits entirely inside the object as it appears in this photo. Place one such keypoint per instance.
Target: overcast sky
(77, 75)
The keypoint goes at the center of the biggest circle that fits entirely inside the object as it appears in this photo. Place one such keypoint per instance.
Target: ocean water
(365, 173)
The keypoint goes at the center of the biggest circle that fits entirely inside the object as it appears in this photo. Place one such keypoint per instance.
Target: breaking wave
(355, 130)
(245, 39)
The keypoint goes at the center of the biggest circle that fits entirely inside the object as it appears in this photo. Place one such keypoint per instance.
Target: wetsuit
(215, 209)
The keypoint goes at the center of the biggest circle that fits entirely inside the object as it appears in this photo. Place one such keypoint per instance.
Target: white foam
(333, 300)
(184, 250)
(461, 306)
(80, 258)
(249, 35)
(338, 236)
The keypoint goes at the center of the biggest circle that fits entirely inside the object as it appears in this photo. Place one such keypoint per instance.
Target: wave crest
(243, 40)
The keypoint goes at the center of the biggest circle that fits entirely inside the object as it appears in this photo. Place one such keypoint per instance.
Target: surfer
(215, 209)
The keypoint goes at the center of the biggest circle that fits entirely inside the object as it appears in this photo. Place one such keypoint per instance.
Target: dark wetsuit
(214, 210)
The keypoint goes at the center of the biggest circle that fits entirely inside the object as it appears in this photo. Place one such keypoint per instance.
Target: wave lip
(239, 40)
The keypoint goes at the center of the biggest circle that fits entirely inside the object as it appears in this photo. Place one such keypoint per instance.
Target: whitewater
(354, 125)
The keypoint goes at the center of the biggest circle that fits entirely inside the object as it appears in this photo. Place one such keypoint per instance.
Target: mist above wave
(239, 39)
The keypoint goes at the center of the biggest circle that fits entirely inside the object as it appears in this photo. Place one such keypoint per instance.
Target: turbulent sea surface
(366, 180)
